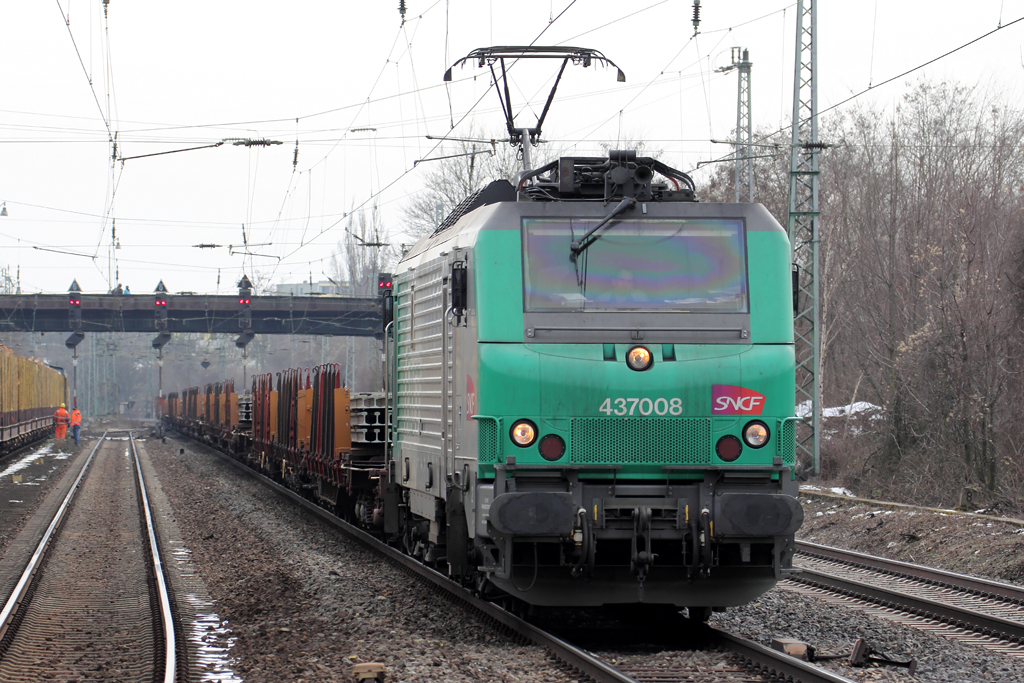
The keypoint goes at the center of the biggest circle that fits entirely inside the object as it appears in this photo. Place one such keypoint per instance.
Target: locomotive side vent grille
(487, 439)
(787, 441)
(658, 441)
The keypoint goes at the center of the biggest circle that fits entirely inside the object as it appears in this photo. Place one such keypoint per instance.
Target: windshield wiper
(580, 245)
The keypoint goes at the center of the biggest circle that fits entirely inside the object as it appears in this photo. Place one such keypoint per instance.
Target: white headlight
(523, 433)
(756, 434)
(638, 358)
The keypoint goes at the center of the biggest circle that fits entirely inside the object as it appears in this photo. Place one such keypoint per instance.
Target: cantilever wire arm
(577, 55)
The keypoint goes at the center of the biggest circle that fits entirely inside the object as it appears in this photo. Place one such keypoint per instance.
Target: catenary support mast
(743, 180)
(804, 232)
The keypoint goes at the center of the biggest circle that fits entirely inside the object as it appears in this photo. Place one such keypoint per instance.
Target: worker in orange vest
(60, 421)
(76, 424)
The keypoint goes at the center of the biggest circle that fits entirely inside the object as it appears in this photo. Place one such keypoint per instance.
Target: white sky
(169, 76)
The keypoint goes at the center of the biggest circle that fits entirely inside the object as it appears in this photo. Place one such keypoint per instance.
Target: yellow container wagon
(30, 392)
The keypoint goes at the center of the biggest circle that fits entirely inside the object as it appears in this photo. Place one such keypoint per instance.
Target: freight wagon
(30, 393)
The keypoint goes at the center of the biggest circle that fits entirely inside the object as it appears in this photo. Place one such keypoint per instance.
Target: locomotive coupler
(585, 542)
(641, 559)
(705, 542)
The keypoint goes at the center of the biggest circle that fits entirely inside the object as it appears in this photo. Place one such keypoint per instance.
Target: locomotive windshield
(678, 265)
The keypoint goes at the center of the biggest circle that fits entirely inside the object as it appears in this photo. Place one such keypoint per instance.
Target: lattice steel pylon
(804, 232)
(350, 363)
(744, 173)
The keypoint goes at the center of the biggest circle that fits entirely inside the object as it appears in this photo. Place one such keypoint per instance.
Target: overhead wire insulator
(696, 17)
(401, 10)
(295, 158)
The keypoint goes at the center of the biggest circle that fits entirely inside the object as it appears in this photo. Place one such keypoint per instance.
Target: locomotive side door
(454, 319)
(457, 467)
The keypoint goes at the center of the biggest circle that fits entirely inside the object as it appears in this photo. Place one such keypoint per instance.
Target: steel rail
(930, 609)
(14, 601)
(581, 660)
(940, 577)
(907, 506)
(584, 662)
(166, 618)
(783, 666)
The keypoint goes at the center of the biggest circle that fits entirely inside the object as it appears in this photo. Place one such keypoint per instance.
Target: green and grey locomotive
(592, 391)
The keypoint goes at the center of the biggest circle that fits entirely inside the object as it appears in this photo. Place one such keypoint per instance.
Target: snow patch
(837, 490)
(804, 410)
(26, 460)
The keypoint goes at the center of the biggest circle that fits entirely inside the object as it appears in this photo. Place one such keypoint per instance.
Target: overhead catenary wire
(397, 141)
(410, 169)
(885, 82)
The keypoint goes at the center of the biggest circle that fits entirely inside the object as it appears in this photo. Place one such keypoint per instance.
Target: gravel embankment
(304, 603)
(20, 500)
(832, 630)
(959, 543)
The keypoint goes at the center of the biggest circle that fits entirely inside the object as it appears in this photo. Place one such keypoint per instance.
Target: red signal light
(244, 301)
(75, 302)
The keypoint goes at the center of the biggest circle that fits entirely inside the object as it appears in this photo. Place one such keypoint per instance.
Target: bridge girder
(215, 314)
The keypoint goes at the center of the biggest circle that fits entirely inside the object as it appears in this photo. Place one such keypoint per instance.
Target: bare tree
(461, 169)
(363, 252)
(923, 209)
(922, 289)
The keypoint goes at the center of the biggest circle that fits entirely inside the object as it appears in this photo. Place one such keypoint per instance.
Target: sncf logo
(730, 400)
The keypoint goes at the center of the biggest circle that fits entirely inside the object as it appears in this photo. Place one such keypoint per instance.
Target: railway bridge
(164, 313)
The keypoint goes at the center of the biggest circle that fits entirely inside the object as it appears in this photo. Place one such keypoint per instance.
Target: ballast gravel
(304, 603)
(832, 630)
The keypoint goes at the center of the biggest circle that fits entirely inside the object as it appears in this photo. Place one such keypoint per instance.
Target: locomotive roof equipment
(489, 56)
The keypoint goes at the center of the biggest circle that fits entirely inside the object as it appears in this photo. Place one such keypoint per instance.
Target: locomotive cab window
(691, 274)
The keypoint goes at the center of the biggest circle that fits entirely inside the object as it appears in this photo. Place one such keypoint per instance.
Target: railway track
(970, 609)
(760, 662)
(92, 599)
